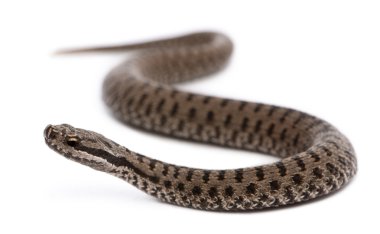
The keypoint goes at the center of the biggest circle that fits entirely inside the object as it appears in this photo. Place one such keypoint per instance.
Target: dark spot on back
(176, 172)
(242, 105)
(224, 102)
(227, 121)
(259, 173)
(251, 189)
(221, 175)
(317, 172)
(212, 192)
(283, 134)
(142, 99)
(258, 126)
(181, 187)
(174, 109)
(281, 168)
(197, 190)
(165, 171)
(301, 164)
(206, 100)
(297, 179)
(189, 175)
(314, 155)
(192, 112)
(229, 191)
(295, 140)
(244, 124)
(271, 110)
(206, 176)
(130, 102)
(274, 185)
(257, 108)
(239, 175)
(210, 116)
(300, 118)
(270, 129)
(286, 113)
(332, 169)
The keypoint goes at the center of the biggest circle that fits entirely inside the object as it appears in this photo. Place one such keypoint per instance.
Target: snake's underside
(315, 158)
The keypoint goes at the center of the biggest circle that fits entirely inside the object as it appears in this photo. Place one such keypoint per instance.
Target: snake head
(60, 135)
(83, 146)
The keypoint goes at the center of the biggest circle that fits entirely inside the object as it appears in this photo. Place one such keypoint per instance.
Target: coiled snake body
(316, 159)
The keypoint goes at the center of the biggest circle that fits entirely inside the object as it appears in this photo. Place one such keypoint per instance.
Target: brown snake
(316, 159)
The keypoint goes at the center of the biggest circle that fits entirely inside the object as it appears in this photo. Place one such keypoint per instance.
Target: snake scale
(315, 158)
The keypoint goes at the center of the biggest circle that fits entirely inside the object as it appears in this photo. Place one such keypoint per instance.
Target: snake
(314, 158)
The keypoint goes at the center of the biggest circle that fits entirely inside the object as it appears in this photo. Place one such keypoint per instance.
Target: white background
(318, 56)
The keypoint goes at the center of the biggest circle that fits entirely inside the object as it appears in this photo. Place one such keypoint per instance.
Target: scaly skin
(316, 159)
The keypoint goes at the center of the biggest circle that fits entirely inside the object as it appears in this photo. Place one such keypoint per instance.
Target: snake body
(315, 158)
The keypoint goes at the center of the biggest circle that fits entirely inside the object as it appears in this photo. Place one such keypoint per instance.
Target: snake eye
(72, 140)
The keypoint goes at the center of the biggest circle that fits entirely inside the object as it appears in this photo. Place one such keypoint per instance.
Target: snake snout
(49, 132)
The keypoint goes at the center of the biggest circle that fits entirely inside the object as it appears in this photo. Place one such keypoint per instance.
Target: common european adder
(315, 158)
